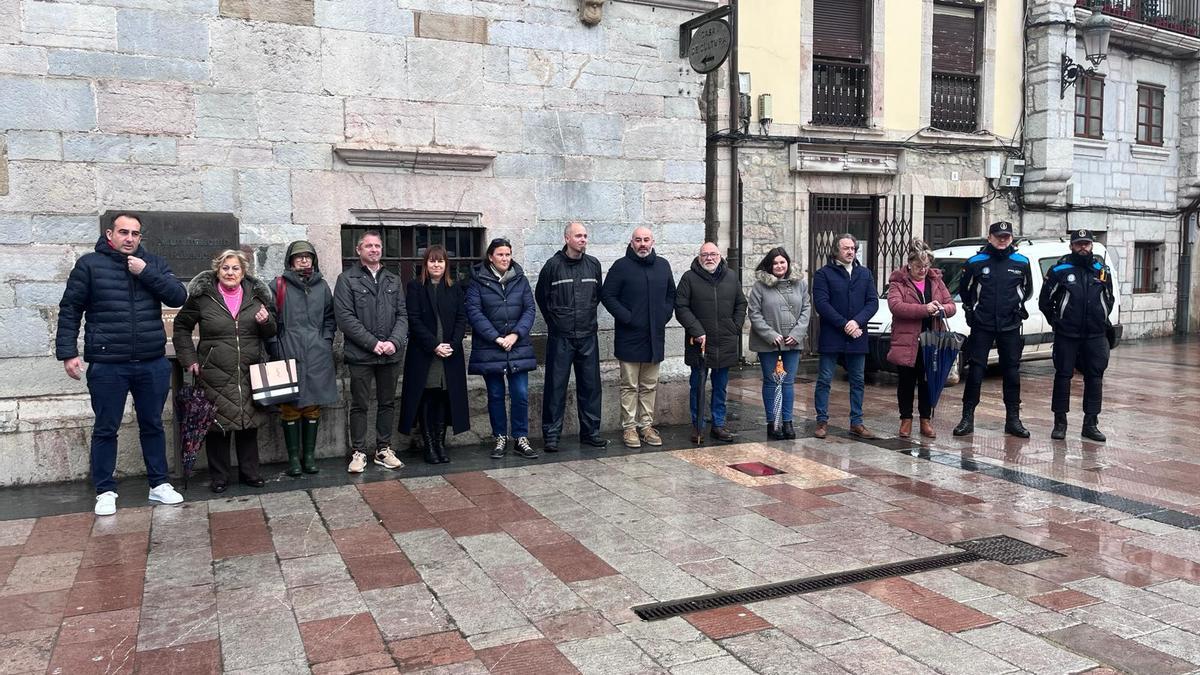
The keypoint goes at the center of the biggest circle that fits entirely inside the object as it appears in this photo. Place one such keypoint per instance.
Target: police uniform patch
(1070, 278)
(986, 270)
(1081, 233)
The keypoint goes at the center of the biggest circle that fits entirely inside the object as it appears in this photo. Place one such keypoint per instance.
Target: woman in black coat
(435, 374)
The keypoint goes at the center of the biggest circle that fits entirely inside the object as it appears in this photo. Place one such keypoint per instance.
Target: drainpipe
(735, 197)
(1183, 284)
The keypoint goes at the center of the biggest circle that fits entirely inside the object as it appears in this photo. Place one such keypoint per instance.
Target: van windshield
(951, 271)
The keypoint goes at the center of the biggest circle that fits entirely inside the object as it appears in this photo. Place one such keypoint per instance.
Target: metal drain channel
(1002, 549)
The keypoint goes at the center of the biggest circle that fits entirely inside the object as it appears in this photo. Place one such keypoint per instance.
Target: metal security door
(829, 217)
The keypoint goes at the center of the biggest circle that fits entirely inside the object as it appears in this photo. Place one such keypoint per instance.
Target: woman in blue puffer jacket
(500, 309)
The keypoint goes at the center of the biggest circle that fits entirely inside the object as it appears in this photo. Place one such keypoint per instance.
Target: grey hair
(846, 235)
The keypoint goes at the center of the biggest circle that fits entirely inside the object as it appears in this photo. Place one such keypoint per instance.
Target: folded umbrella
(939, 350)
(777, 402)
(196, 414)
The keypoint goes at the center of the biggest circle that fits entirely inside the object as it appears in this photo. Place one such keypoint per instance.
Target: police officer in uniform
(994, 286)
(1076, 300)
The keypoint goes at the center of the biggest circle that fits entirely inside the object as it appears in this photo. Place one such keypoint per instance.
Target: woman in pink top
(917, 296)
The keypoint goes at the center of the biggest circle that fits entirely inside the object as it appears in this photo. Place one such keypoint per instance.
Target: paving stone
(363, 540)
(764, 529)
(456, 576)
(1123, 655)
(612, 596)
(1122, 595)
(1022, 614)
(532, 656)
(99, 627)
(406, 611)
(1176, 642)
(726, 622)
(807, 623)
(934, 609)
(429, 546)
(428, 651)
(722, 574)
(671, 642)
(504, 636)
(266, 638)
(492, 551)
(177, 616)
(382, 571)
(197, 657)
(340, 637)
(575, 625)
(849, 604)
(1183, 591)
(571, 561)
(325, 601)
(476, 613)
(247, 571)
(251, 600)
(722, 665)
(1028, 652)
(377, 663)
(608, 655)
(1063, 600)
(535, 591)
(868, 655)
(944, 653)
(28, 650)
(658, 576)
(772, 652)
(109, 656)
(119, 592)
(313, 570)
(40, 573)
(32, 610)
(290, 667)
(296, 542)
(536, 532)
(1117, 620)
(15, 532)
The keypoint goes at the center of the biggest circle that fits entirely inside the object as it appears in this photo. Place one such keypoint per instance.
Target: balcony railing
(840, 93)
(954, 102)
(1181, 16)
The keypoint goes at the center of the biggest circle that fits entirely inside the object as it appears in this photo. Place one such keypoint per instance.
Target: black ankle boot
(967, 424)
(789, 431)
(1012, 424)
(439, 443)
(1090, 430)
(775, 432)
(427, 443)
(1060, 427)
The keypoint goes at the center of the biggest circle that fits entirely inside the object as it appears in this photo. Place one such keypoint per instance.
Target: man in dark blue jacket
(845, 298)
(568, 293)
(118, 292)
(994, 286)
(1076, 300)
(639, 292)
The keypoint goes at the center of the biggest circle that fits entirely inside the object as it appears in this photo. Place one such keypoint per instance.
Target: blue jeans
(718, 380)
(791, 361)
(518, 393)
(855, 365)
(110, 384)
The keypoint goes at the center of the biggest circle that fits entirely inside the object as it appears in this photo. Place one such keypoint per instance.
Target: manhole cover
(1006, 550)
(757, 469)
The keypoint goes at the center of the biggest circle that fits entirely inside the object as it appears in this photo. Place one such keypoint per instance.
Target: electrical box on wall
(995, 166)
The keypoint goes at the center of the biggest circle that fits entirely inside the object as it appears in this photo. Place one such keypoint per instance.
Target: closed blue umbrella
(939, 350)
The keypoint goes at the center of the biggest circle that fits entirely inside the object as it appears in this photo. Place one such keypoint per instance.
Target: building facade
(437, 122)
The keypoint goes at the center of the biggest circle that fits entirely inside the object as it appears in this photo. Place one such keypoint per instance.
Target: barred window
(406, 239)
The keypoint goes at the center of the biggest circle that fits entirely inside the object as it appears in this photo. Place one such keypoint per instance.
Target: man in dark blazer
(845, 298)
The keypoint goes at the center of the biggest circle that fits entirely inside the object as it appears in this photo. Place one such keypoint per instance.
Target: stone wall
(237, 106)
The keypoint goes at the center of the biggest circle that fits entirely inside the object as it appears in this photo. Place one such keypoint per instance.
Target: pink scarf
(233, 298)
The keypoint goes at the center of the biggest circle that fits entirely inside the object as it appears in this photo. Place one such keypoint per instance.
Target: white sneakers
(387, 459)
(106, 503)
(164, 494)
(358, 462)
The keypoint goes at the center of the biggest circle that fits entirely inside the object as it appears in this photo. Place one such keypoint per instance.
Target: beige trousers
(639, 382)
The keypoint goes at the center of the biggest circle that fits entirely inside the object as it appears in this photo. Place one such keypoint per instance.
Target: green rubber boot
(291, 438)
(310, 445)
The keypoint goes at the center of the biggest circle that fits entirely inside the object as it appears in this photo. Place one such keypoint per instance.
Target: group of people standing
(419, 328)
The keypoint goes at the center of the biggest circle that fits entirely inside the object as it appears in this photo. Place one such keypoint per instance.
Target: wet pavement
(535, 567)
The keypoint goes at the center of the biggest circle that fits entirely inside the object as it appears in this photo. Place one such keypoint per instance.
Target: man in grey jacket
(368, 303)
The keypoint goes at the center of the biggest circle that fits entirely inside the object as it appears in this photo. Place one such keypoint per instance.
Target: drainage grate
(665, 610)
(1006, 550)
(757, 469)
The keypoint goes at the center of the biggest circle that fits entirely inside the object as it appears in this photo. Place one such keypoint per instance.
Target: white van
(1042, 254)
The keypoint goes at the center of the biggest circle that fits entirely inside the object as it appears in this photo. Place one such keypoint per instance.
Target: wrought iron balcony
(1181, 16)
(954, 102)
(840, 93)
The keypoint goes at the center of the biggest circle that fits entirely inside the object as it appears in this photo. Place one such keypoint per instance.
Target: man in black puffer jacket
(118, 292)
(1076, 300)
(568, 293)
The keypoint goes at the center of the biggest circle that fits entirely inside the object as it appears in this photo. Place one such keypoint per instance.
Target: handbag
(274, 382)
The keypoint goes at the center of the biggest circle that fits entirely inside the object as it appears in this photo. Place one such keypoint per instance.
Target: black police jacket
(994, 287)
(568, 293)
(1077, 296)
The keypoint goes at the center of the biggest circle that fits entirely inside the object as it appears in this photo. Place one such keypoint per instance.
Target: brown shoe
(630, 438)
(906, 428)
(721, 434)
(822, 430)
(927, 428)
(863, 432)
(650, 436)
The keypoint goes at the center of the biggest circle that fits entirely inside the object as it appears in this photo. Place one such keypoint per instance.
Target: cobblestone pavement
(534, 569)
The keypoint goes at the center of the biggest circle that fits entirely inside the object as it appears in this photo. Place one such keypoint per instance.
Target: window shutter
(838, 28)
(954, 44)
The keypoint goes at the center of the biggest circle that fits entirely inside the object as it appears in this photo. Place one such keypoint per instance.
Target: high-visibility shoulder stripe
(1064, 266)
(978, 257)
(1019, 258)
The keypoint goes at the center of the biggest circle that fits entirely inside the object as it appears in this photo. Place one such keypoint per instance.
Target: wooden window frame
(1093, 106)
(1146, 266)
(1150, 98)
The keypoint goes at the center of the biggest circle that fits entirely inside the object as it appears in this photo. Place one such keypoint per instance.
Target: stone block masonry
(236, 106)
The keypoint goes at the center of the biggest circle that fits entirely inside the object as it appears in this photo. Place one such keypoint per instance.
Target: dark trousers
(432, 410)
(1009, 344)
(1090, 356)
(913, 377)
(384, 377)
(563, 353)
(216, 444)
(110, 385)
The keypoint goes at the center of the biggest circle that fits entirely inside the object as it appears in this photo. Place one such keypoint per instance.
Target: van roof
(965, 248)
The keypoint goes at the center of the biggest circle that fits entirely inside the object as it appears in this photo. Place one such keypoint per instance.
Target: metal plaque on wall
(187, 240)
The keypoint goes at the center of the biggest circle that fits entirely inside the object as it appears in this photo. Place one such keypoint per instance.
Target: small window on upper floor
(954, 94)
(1150, 114)
(1089, 106)
(841, 76)
(1147, 266)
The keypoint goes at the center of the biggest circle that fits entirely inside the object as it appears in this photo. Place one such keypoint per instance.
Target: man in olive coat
(710, 305)
(368, 303)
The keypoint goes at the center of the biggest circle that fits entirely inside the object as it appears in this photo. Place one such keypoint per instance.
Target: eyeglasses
(710, 255)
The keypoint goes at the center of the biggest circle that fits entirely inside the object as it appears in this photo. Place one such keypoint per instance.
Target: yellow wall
(1007, 113)
(770, 51)
(902, 65)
